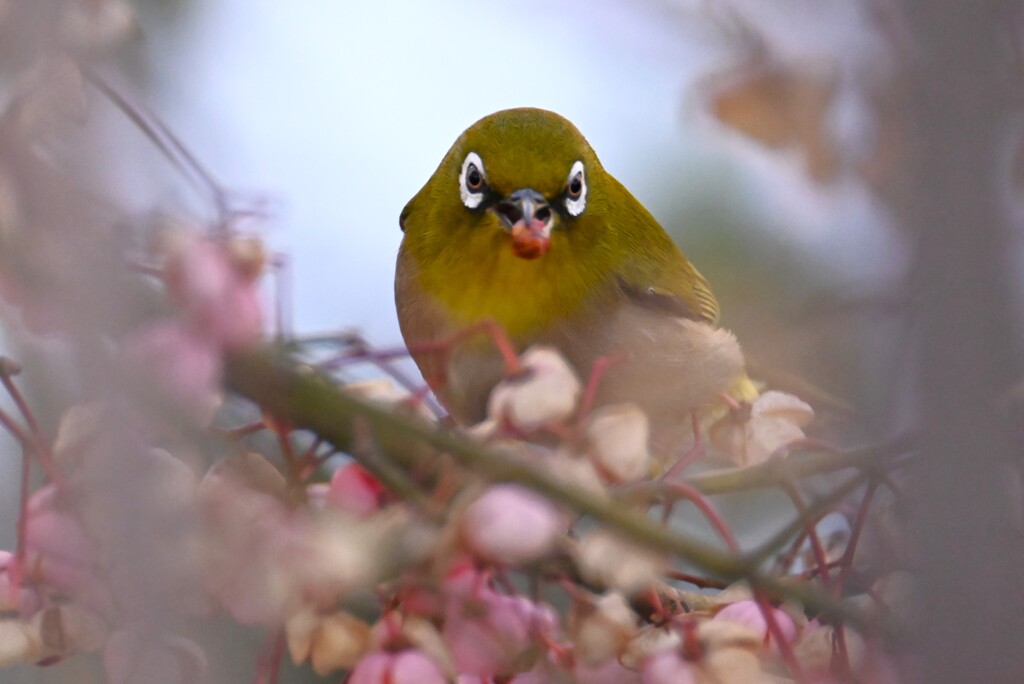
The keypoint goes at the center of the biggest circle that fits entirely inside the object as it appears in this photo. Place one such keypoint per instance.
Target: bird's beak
(527, 217)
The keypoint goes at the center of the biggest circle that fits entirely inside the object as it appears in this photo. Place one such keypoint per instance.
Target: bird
(522, 225)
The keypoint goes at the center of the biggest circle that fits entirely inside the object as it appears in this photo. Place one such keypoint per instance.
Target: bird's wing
(680, 291)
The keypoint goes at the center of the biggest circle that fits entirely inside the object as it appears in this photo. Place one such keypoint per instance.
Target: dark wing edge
(700, 307)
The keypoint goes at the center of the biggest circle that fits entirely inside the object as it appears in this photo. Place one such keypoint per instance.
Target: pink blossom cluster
(269, 555)
(213, 286)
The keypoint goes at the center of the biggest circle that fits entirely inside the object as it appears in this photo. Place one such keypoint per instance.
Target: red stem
(690, 456)
(294, 467)
(702, 582)
(36, 446)
(268, 666)
(846, 565)
(812, 533)
(597, 372)
(276, 657)
(846, 562)
(361, 351)
(815, 571)
(493, 329)
(245, 430)
(684, 491)
(513, 366)
(785, 561)
(785, 647)
(17, 570)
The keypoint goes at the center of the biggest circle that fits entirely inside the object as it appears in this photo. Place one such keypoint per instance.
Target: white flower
(66, 629)
(775, 420)
(573, 470)
(649, 641)
(611, 561)
(18, 643)
(545, 393)
(618, 438)
(604, 629)
(339, 640)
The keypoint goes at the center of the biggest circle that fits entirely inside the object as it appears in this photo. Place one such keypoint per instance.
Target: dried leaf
(780, 106)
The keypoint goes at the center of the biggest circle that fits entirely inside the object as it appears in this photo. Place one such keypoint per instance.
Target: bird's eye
(576, 190)
(575, 187)
(472, 180)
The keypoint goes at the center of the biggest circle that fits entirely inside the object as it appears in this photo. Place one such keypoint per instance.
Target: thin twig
(27, 439)
(39, 441)
(809, 530)
(805, 462)
(811, 515)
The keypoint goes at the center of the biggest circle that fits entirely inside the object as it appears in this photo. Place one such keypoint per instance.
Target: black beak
(524, 205)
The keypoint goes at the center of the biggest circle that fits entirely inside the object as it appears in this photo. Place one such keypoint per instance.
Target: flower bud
(608, 560)
(545, 393)
(604, 629)
(510, 524)
(618, 437)
(355, 490)
(749, 614)
(410, 666)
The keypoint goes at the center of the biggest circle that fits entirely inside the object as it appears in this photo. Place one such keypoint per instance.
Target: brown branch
(311, 401)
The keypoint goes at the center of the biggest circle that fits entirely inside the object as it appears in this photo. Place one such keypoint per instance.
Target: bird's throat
(525, 295)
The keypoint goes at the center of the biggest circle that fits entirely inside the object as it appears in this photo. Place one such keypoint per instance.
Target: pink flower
(354, 490)
(22, 600)
(749, 614)
(510, 524)
(216, 293)
(57, 545)
(253, 544)
(495, 634)
(410, 666)
(609, 672)
(463, 579)
(182, 366)
(667, 667)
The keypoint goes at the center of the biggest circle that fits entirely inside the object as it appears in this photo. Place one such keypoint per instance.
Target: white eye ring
(575, 202)
(472, 197)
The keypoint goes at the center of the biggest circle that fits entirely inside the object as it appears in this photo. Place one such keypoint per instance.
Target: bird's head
(523, 175)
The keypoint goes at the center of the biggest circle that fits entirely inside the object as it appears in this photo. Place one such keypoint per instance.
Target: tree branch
(310, 400)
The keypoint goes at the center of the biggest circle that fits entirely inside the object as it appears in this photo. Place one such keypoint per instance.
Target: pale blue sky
(340, 111)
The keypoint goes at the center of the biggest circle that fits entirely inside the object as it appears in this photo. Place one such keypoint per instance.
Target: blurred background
(332, 115)
(750, 129)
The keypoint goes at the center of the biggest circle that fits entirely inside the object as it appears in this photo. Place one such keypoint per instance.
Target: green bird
(521, 224)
